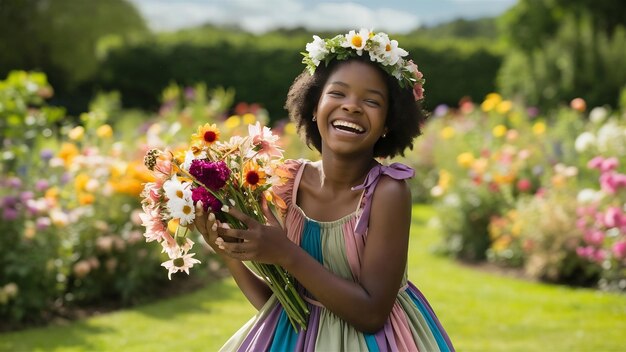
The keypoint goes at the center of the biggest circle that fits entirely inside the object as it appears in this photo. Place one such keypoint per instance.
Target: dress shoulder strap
(397, 171)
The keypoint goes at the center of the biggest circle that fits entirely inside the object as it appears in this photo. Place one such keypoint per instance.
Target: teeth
(349, 125)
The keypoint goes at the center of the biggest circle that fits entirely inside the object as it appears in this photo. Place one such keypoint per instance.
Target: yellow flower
(480, 165)
(499, 131)
(80, 182)
(52, 195)
(232, 122)
(77, 133)
(491, 101)
(445, 178)
(206, 135)
(465, 160)
(501, 243)
(68, 152)
(253, 175)
(503, 179)
(248, 119)
(104, 131)
(290, 129)
(85, 198)
(172, 225)
(539, 128)
(504, 106)
(447, 132)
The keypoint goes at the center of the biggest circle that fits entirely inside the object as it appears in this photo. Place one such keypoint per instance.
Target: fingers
(271, 218)
(236, 213)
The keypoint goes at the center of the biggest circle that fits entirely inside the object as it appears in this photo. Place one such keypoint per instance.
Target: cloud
(259, 16)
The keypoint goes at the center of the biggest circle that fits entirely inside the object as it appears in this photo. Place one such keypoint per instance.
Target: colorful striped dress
(339, 245)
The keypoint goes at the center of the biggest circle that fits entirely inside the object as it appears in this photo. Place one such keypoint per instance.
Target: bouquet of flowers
(237, 172)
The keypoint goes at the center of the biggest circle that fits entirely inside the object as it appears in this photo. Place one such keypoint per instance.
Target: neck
(346, 172)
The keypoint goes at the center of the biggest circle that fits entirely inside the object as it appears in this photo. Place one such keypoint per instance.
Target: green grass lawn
(481, 311)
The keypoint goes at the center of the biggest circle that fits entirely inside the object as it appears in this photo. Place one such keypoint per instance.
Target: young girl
(345, 233)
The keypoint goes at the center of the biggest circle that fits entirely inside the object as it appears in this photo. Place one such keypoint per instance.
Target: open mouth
(348, 127)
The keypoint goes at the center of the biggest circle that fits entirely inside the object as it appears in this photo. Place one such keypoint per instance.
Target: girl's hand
(207, 225)
(259, 242)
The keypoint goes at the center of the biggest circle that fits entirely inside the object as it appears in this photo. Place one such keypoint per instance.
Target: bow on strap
(396, 171)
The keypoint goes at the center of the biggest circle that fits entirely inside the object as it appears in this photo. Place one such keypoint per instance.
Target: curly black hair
(404, 115)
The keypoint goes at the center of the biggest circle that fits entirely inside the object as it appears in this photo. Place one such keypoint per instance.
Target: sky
(258, 16)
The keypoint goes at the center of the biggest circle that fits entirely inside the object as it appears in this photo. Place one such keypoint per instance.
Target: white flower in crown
(317, 49)
(357, 41)
(380, 48)
(385, 51)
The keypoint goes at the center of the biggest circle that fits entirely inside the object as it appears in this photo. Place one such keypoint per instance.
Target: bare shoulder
(390, 191)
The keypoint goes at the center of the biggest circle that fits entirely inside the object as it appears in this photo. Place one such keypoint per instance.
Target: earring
(314, 118)
(384, 135)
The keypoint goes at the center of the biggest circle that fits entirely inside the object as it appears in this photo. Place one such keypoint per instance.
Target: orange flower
(253, 175)
(207, 135)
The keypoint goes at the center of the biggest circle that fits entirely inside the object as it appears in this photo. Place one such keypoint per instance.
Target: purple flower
(211, 174)
(43, 223)
(208, 200)
(9, 214)
(14, 182)
(441, 110)
(46, 154)
(41, 185)
(9, 202)
(26, 196)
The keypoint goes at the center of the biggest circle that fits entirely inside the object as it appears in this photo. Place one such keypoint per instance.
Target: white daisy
(174, 189)
(174, 249)
(182, 209)
(317, 49)
(180, 263)
(357, 41)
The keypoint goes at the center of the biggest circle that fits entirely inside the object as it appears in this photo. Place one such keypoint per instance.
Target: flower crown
(381, 50)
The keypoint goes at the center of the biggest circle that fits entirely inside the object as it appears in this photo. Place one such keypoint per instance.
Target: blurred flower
(584, 142)
(68, 152)
(524, 185)
(490, 102)
(441, 110)
(598, 114)
(447, 132)
(578, 104)
(77, 133)
(499, 131)
(248, 119)
(81, 269)
(465, 160)
(539, 128)
(232, 122)
(504, 106)
(104, 131)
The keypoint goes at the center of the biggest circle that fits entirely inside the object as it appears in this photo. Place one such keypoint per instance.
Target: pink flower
(595, 163)
(608, 182)
(594, 237)
(585, 252)
(609, 164)
(151, 220)
(211, 174)
(619, 249)
(208, 200)
(418, 91)
(613, 217)
(524, 185)
(264, 140)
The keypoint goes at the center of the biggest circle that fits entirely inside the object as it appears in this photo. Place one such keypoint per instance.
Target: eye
(335, 93)
(372, 102)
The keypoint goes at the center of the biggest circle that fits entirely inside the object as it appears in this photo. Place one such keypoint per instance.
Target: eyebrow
(375, 91)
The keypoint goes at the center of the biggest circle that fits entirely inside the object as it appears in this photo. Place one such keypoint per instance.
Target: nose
(351, 107)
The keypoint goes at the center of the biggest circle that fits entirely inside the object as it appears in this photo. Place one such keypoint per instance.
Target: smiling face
(352, 109)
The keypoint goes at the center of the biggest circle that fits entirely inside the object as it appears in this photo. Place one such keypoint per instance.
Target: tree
(62, 37)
